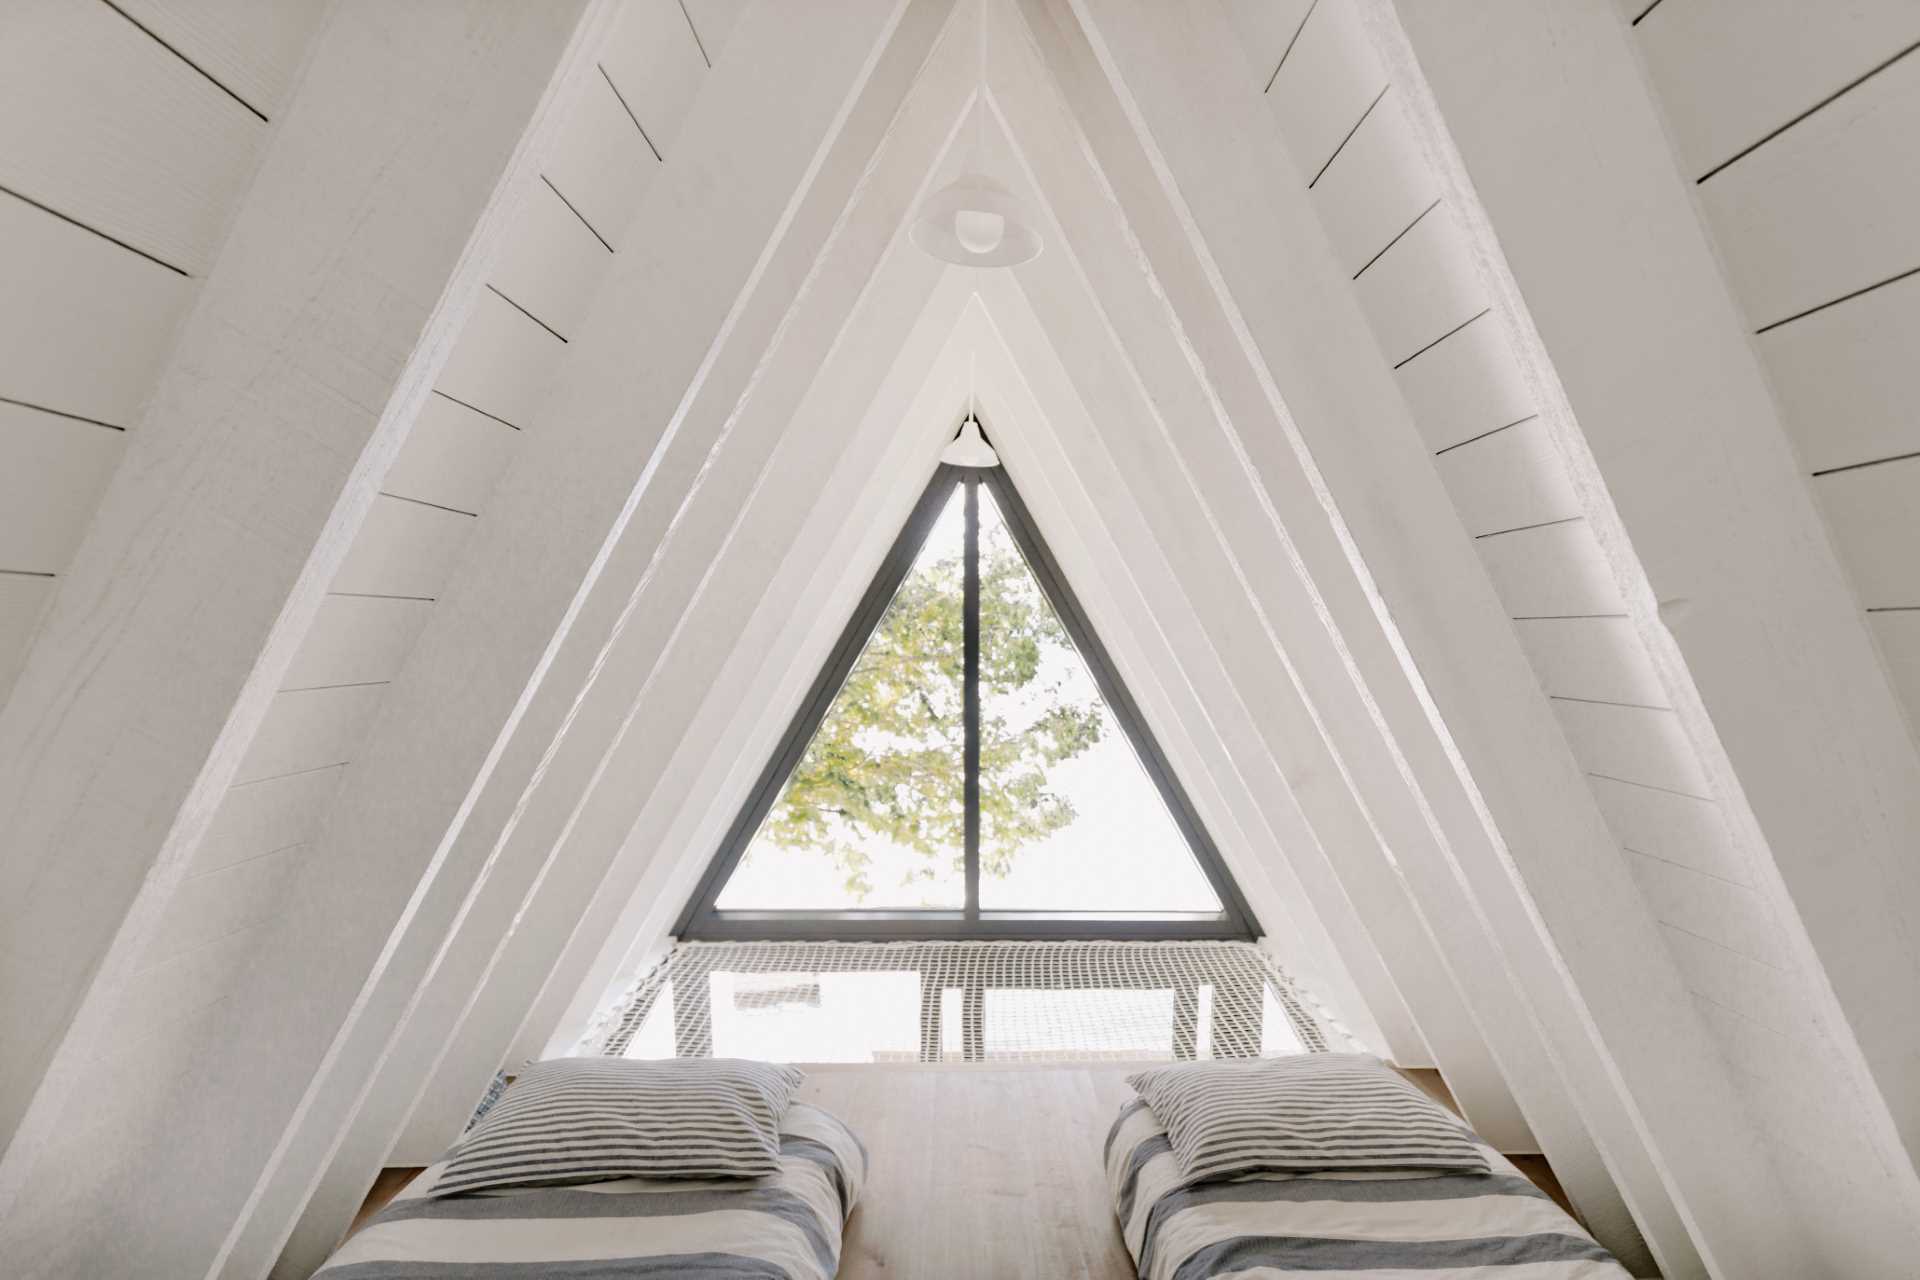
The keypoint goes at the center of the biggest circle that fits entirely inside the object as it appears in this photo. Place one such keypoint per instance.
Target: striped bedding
(1488, 1227)
(783, 1227)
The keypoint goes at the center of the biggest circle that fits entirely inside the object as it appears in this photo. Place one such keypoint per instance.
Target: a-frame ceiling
(1292, 474)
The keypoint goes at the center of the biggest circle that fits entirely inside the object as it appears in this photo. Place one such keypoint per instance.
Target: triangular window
(967, 765)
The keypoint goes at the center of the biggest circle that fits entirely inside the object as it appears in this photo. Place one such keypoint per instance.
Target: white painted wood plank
(1846, 378)
(1898, 635)
(1874, 513)
(552, 262)
(600, 162)
(713, 23)
(161, 1002)
(1635, 744)
(1508, 480)
(1679, 828)
(655, 62)
(100, 122)
(452, 457)
(1828, 206)
(253, 47)
(1750, 987)
(1555, 571)
(1718, 910)
(501, 363)
(1422, 289)
(1465, 386)
(1599, 659)
(1266, 28)
(310, 729)
(22, 599)
(357, 640)
(1380, 185)
(223, 900)
(52, 473)
(360, 246)
(259, 817)
(1324, 88)
(403, 549)
(84, 324)
(1729, 72)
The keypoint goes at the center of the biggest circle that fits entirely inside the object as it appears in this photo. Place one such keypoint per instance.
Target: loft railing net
(969, 1002)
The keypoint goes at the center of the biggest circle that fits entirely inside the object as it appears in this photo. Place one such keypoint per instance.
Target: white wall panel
(214, 903)
(501, 362)
(551, 263)
(1666, 824)
(1898, 633)
(404, 549)
(357, 640)
(22, 598)
(1847, 380)
(1329, 80)
(258, 817)
(1598, 659)
(600, 162)
(1752, 988)
(1828, 206)
(1707, 907)
(253, 47)
(713, 22)
(84, 324)
(1267, 28)
(452, 457)
(1508, 480)
(52, 473)
(1555, 571)
(1874, 513)
(1422, 289)
(1729, 72)
(655, 62)
(101, 123)
(1465, 386)
(309, 729)
(1373, 193)
(1636, 744)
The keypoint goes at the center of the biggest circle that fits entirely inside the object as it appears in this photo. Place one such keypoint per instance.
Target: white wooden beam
(1441, 664)
(1732, 582)
(655, 575)
(340, 287)
(710, 239)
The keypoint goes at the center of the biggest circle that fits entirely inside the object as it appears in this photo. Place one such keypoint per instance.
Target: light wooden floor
(980, 1172)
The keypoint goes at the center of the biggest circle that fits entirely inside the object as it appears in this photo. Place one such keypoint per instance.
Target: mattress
(1492, 1227)
(783, 1227)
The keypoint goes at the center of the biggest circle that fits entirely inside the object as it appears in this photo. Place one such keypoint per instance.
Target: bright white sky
(1122, 852)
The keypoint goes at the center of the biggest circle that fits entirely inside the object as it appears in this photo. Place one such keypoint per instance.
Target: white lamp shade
(969, 449)
(975, 222)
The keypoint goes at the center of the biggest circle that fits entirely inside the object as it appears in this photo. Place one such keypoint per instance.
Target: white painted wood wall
(444, 843)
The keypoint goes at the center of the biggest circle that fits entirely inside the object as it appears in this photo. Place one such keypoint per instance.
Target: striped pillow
(1316, 1113)
(571, 1120)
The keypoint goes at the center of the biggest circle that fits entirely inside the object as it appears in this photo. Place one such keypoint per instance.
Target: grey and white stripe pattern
(1315, 1113)
(1270, 1226)
(786, 1226)
(572, 1120)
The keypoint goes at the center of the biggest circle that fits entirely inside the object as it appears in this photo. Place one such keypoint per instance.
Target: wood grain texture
(980, 1172)
(100, 122)
(84, 325)
(1729, 72)
(252, 47)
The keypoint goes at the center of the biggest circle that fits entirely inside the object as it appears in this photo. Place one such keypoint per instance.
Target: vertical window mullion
(970, 714)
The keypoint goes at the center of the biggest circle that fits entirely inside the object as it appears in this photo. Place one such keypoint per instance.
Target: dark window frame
(701, 919)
